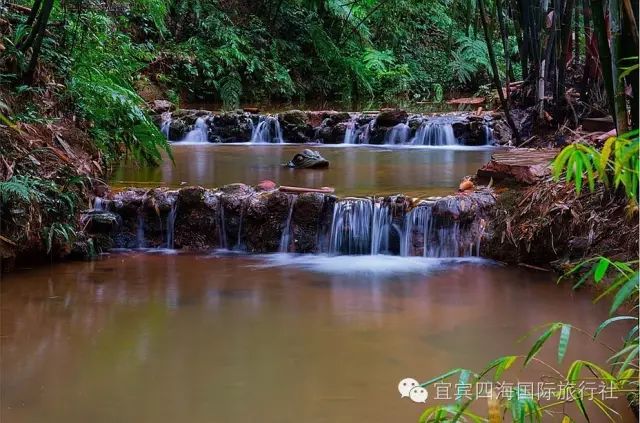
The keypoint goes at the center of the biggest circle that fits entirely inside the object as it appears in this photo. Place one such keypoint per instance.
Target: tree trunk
(600, 31)
(505, 46)
(494, 68)
(565, 49)
(588, 58)
(39, 32)
(34, 12)
(630, 32)
(620, 104)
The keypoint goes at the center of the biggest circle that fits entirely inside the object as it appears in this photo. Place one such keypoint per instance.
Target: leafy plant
(616, 165)
(58, 232)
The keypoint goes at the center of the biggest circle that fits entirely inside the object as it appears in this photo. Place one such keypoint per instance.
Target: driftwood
(323, 190)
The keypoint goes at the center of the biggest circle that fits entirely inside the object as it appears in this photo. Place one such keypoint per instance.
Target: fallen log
(323, 190)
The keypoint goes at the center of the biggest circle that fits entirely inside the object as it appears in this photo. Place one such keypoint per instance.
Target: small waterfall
(100, 204)
(399, 134)
(434, 133)
(417, 221)
(285, 238)
(365, 136)
(239, 245)
(351, 227)
(487, 133)
(140, 241)
(380, 229)
(267, 131)
(362, 226)
(165, 127)
(351, 134)
(222, 231)
(171, 225)
(199, 133)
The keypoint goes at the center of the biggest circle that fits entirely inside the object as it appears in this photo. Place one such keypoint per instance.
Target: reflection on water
(184, 338)
(352, 171)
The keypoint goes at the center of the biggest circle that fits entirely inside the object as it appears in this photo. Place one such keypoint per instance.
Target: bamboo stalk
(619, 102)
(494, 68)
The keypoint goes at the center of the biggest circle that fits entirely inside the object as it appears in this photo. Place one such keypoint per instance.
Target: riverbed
(166, 337)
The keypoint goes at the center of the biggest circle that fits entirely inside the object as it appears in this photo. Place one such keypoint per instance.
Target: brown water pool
(354, 170)
(193, 338)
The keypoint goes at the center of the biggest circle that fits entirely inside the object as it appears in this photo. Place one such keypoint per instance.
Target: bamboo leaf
(540, 341)
(563, 342)
(601, 269)
(607, 322)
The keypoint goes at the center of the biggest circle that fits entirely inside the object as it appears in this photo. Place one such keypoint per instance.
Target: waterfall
(434, 133)
(362, 226)
(239, 245)
(100, 204)
(199, 133)
(380, 229)
(366, 134)
(171, 224)
(222, 232)
(487, 134)
(267, 131)
(350, 135)
(351, 227)
(165, 127)
(399, 134)
(140, 241)
(285, 238)
(417, 220)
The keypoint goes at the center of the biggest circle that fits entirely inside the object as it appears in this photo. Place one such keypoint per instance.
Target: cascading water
(239, 244)
(199, 133)
(351, 134)
(399, 134)
(285, 238)
(267, 131)
(434, 133)
(487, 133)
(171, 225)
(100, 204)
(140, 241)
(361, 226)
(380, 230)
(351, 227)
(222, 231)
(366, 134)
(165, 127)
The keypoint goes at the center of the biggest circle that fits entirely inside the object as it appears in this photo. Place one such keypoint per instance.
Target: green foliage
(18, 188)
(62, 233)
(100, 81)
(616, 165)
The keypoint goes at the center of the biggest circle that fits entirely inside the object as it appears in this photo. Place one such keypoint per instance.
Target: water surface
(186, 338)
(354, 170)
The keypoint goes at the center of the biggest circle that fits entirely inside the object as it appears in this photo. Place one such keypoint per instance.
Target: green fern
(230, 90)
(15, 189)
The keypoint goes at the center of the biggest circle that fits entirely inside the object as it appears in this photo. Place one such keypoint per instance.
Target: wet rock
(308, 159)
(178, 128)
(162, 106)
(293, 117)
(231, 127)
(464, 207)
(391, 117)
(100, 222)
(190, 196)
(266, 214)
(306, 221)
